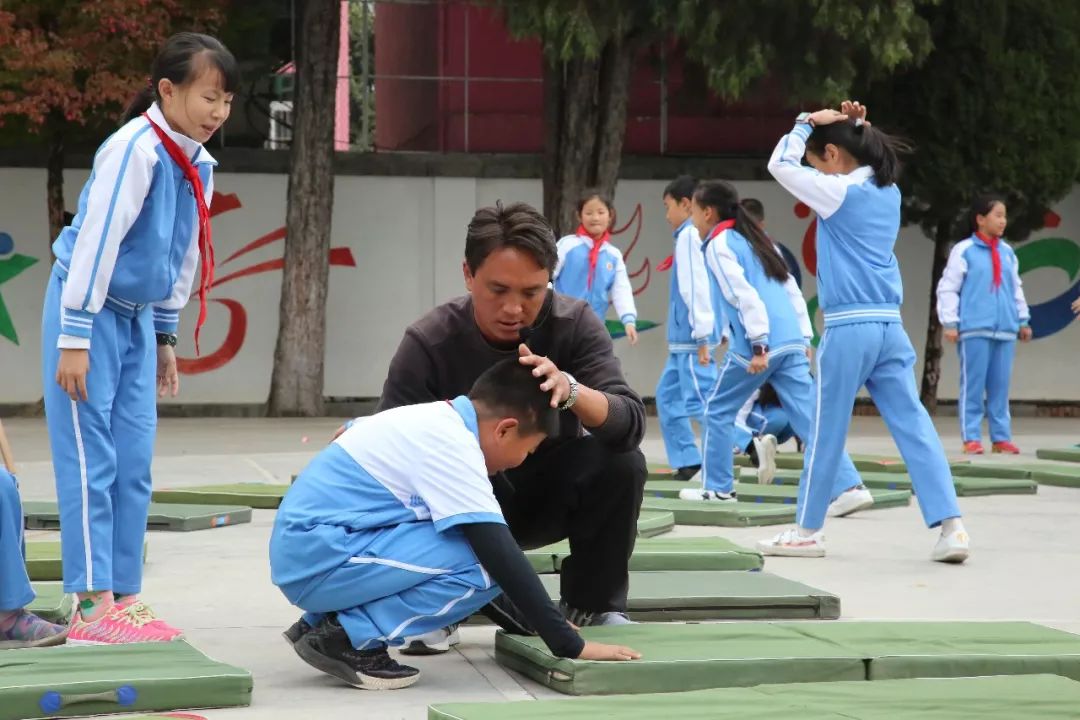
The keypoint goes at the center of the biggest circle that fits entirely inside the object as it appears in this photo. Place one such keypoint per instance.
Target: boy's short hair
(681, 188)
(509, 389)
(754, 209)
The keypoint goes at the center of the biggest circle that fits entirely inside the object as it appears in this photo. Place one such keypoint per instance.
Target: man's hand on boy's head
(554, 381)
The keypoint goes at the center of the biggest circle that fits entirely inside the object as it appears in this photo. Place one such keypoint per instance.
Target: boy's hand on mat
(952, 334)
(168, 380)
(631, 333)
(759, 364)
(1025, 334)
(554, 381)
(703, 357)
(600, 651)
(71, 372)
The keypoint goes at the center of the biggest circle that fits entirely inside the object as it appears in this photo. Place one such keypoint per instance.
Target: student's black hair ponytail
(179, 61)
(722, 196)
(868, 145)
(982, 205)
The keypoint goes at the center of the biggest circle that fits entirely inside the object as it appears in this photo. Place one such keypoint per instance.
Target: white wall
(406, 235)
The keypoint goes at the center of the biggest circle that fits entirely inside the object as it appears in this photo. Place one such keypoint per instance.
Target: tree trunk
(934, 351)
(585, 105)
(296, 386)
(54, 186)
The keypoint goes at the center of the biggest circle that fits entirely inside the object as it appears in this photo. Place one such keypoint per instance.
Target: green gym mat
(1060, 474)
(899, 650)
(51, 602)
(1048, 697)
(698, 656)
(684, 657)
(872, 480)
(992, 470)
(180, 518)
(691, 553)
(263, 496)
(972, 486)
(663, 472)
(740, 514)
(1068, 454)
(867, 463)
(92, 680)
(43, 560)
(778, 493)
(705, 595)
(651, 523)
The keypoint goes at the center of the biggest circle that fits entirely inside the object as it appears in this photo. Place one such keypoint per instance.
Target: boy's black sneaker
(329, 649)
(686, 473)
(299, 629)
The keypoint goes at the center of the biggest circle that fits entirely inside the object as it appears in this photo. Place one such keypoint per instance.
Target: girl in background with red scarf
(591, 268)
(981, 305)
(124, 269)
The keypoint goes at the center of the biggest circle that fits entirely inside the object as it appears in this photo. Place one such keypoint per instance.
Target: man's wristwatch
(572, 397)
(760, 349)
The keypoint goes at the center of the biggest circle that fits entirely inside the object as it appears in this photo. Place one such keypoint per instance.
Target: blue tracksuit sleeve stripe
(120, 182)
(948, 289)
(737, 290)
(824, 194)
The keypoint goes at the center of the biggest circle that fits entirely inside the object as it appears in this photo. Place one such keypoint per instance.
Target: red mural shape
(809, 243)
(238, 321)
(635, 220)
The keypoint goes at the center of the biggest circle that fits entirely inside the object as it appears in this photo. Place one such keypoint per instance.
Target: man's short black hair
(517, 225)
(754, 209)
(681, 188)
(508, 389)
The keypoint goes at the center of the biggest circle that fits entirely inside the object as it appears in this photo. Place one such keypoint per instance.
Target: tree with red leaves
(68, 66)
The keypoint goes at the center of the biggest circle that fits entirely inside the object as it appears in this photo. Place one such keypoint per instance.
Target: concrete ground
(215, 584)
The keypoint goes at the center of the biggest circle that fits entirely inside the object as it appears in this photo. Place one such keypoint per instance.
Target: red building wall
(500, 108)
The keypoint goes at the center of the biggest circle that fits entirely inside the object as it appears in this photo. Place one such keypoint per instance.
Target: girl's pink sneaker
(123, 623)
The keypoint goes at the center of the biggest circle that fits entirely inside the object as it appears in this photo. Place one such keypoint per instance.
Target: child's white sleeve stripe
(737, 290)
(622, 292)
(948, 289)
(806, 325)
(694, 283)
(824, 194)
(1022, 310)
(120, 183)
(167, 313)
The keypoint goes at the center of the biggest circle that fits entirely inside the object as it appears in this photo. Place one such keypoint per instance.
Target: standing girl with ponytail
(981, 305)
(851, 186)
(770, 342)
(124, 269)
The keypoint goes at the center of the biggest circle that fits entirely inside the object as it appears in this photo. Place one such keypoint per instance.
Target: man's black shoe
(329, 649)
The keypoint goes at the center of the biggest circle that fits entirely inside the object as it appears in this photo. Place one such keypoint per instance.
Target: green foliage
(994, 107)
(818, 47)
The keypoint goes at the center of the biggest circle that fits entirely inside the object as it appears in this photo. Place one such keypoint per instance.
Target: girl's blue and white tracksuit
(610, 285)
(860, 291)
(755, 420)
(692, 323)
(760, 310)
(123, 270)
(989, 319)
(15, 590)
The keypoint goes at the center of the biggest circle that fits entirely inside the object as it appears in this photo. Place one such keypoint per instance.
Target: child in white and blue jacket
(981, 305)
(851, 186)
(124, 269)
(694, 327)
(770, 338)
(592, 269)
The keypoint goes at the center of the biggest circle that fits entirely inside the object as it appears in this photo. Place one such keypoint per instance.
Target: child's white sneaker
(698, 494)
(791, 544)
(952, 548)
(850, 501)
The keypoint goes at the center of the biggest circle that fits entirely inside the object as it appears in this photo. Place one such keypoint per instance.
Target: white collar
(194, 150)
(862, 173)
